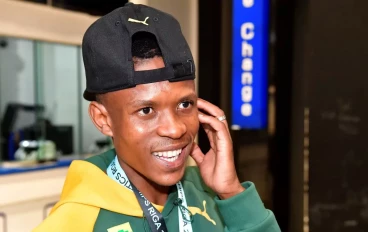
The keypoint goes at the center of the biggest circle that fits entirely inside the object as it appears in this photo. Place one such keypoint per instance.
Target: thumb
(197, 154)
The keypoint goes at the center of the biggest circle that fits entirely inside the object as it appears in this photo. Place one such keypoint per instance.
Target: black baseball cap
(107, 50)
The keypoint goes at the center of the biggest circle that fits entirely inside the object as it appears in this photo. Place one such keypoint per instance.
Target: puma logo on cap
(138, 21)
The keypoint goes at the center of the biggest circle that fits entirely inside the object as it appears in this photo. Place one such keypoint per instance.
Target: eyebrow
(145, 103)
(188, 96)
(150, 103)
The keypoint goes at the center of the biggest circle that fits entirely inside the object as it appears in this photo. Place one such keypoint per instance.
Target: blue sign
(250, 64)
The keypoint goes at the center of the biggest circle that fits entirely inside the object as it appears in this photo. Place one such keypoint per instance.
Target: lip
(178, 163)
(172, 148)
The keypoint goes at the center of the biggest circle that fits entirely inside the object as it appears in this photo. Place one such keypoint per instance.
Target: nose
(171, 126)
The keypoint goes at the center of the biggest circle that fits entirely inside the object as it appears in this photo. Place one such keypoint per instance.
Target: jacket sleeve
(245, 212)
(69, 217)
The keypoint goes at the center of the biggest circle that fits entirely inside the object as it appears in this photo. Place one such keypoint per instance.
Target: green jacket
(91, 201)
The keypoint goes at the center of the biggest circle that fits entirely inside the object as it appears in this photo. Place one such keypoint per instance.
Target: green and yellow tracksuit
(91, 201)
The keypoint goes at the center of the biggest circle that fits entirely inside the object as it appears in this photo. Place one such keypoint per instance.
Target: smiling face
(153, 126)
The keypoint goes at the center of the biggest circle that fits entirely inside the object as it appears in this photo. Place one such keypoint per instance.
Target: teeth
(168, 155)
(172, 159)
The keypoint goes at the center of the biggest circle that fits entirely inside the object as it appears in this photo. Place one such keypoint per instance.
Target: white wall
(31, 20)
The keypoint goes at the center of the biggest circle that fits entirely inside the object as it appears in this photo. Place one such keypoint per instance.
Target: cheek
(136, 130)
(139, 128)
(127, 129)
(193, 124)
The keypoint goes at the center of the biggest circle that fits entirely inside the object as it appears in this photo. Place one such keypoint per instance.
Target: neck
(153, 192)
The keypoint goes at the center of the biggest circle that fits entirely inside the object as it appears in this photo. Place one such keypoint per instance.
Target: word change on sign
(250, 64)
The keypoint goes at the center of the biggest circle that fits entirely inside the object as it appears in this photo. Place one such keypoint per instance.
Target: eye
(185, 104)
(146, 111)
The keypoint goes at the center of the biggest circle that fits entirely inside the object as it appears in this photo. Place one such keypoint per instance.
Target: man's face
(154, 126)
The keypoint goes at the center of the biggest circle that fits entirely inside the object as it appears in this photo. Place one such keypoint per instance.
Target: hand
(217, 167)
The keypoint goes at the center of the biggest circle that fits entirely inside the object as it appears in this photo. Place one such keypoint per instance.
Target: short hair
(144, 46)
(99, 97)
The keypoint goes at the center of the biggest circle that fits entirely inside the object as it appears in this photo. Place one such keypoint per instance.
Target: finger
(211, 134)
(197, 154)
(209, 131)
(211, 109)
(219, 127)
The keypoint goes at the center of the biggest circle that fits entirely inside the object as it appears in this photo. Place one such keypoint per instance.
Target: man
(140, 74)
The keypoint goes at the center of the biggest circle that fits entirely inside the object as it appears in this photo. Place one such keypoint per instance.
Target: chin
(170, 179)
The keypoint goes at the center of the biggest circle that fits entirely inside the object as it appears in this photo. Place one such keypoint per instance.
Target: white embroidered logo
(138, 21)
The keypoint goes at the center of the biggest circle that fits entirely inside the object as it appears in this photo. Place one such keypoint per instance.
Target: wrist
(232, 192)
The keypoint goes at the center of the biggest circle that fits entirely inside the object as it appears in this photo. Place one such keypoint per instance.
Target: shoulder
(103, 160)
(70, 217)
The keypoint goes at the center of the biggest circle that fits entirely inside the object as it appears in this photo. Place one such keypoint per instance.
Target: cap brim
(89, 96)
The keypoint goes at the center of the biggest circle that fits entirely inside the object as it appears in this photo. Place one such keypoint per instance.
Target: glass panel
(45, 84)
(17, 91)
(58, 92)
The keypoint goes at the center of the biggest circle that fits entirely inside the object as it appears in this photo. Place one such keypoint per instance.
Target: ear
(100, 118)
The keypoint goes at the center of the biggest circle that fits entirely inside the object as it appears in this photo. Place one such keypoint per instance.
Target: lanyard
(153, 216)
